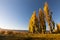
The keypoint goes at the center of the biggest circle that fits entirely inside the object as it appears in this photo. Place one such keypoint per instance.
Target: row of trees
(38, 24)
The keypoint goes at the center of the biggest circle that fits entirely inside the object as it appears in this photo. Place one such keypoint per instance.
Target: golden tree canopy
(33, 24)
(58, 27)
(42, 21)
(46, 9)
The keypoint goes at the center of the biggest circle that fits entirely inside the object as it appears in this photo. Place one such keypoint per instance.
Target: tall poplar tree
(48, 17)
(33, 23)
(42, 24)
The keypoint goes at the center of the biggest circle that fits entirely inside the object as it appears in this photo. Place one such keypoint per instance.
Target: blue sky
(15, 14)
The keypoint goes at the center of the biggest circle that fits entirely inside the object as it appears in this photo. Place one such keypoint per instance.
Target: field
(25, 35)
(29, 36)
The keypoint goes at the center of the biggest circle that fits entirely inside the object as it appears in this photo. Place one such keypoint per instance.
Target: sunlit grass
(28, 36)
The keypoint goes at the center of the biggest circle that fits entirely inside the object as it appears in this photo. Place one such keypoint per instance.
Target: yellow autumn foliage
(48, 17)
(39, 24)
(42, 21)
(33, 23)
(58, 27)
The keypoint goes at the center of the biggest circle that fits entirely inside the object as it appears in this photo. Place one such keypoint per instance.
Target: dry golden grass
(14, 35)
(29, 36)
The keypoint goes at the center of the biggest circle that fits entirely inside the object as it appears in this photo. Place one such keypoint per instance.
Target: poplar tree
(58, 28)
(42, 24)
(33, 23)
(48, 17)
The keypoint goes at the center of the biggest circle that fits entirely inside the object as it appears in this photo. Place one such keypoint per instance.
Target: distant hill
(14, 30)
